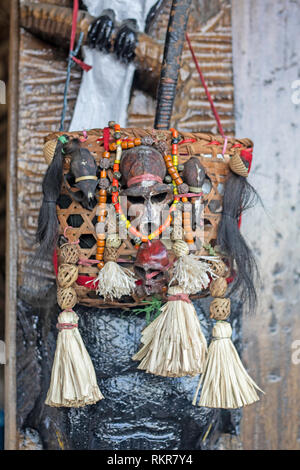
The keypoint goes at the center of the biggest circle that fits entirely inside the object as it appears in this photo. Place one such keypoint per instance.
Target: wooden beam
(11, 237)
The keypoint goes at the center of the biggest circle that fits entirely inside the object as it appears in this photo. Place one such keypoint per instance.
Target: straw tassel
(173, 344)
(225, 382)
(193, 273)
(73, 379)
(113, 281)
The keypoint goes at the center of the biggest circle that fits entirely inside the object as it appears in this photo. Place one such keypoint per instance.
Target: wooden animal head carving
(83, 173)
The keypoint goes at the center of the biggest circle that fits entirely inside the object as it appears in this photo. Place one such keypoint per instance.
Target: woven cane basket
(206, 147)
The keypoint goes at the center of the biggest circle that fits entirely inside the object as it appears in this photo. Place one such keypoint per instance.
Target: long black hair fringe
(47, 231)
(239, 196)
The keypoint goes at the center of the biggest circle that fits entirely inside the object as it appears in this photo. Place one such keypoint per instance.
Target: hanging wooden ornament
(173, 344)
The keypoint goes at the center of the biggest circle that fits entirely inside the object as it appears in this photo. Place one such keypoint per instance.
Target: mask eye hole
(136, 199)
(158, 276)
(156, 198)
(140, 271)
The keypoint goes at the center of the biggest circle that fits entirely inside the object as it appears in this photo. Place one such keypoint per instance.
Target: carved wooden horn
(171, 62)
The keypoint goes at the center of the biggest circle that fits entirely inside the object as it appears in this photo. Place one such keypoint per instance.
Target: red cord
(215, 112)
(106, 136)
(74, 23)
(81, 64)
(185, 141)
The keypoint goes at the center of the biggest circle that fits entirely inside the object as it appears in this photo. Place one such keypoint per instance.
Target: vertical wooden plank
(266, 64)
(11, 238)
(4, 45)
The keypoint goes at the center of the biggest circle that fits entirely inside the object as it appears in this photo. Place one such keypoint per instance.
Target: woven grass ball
(69, 253)
(49, 150)
(113, 240)
(66, 297)
(110, 254)
(219, 268)
(218, 287)
(67, 275)
(180, 248)
(219, 309)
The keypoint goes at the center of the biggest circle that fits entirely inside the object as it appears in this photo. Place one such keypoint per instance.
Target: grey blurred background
(266, 68)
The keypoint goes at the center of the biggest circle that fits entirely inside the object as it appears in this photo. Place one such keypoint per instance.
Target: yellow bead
(151, 236)
(122, 217)
(128, 224)
(117, 162)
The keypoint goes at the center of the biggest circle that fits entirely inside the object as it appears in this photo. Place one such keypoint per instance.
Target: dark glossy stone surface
(140, 411)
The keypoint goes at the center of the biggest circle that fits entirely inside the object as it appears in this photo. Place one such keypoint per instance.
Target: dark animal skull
(151, 267)
(194, 173)
(83, 175)
(143, 170)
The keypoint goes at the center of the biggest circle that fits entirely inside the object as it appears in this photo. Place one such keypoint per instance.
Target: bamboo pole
(171, 62)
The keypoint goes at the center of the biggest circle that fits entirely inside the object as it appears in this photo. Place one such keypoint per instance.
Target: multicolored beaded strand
(171, 164)
(101, 210)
